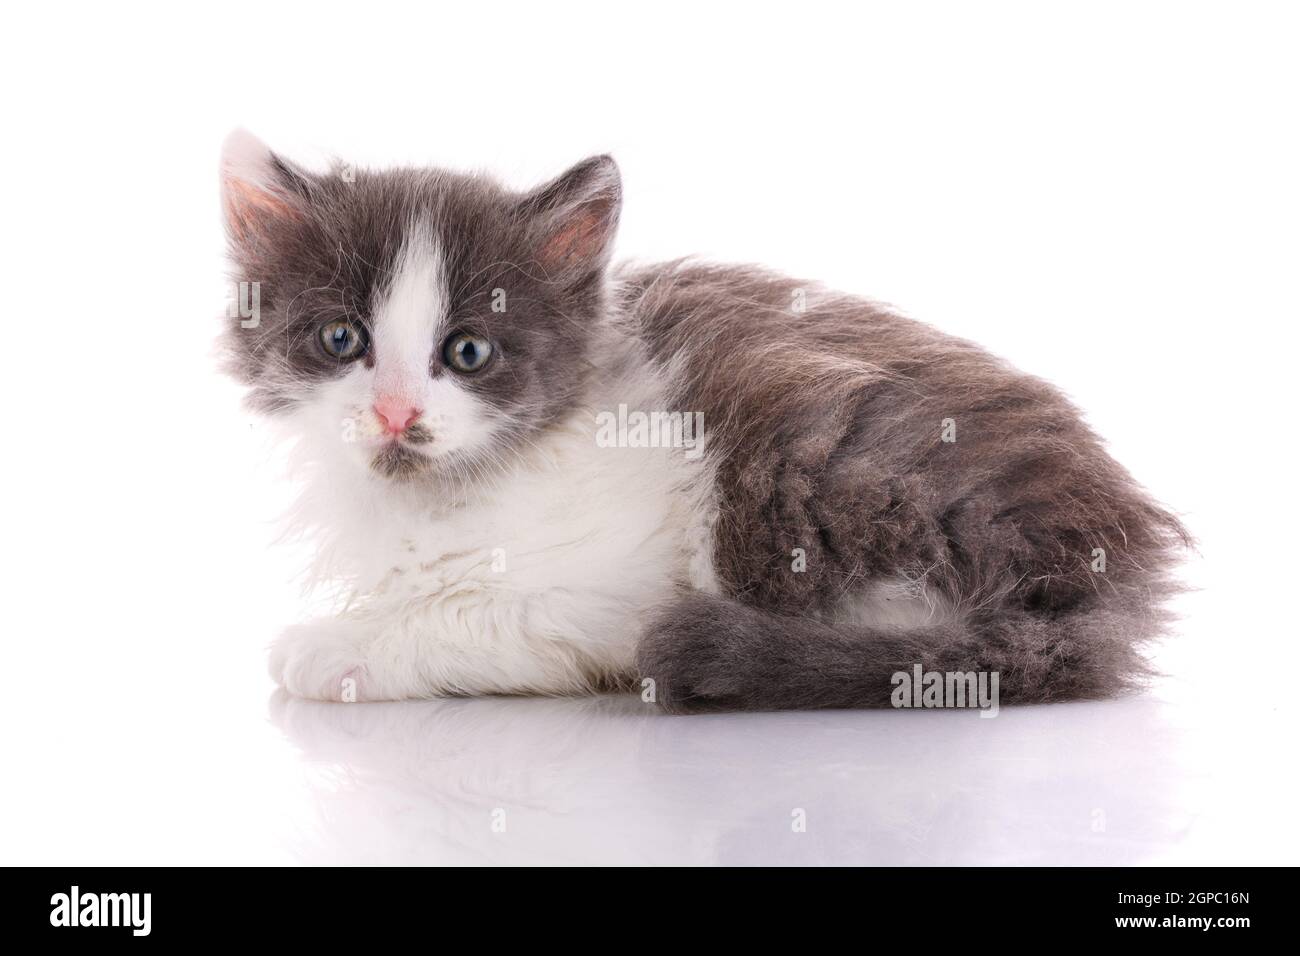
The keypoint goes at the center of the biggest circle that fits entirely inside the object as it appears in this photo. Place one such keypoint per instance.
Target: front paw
(322, 661)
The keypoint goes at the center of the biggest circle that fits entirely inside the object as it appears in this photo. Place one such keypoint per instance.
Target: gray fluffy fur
(827, 429)
(824, 426)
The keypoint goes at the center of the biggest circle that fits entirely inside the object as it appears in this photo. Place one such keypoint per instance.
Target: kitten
(496, 427)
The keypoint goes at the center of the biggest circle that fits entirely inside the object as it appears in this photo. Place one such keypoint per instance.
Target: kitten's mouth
(398, 459)
(398, 462)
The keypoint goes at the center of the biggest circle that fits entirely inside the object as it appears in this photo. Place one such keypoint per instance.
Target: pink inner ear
(579, 239)
(251, 209)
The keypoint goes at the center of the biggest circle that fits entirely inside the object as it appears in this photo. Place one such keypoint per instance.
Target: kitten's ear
(573, 218)
(259, 191)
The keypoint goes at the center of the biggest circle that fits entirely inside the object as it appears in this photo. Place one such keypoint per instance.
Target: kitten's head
(429, 322)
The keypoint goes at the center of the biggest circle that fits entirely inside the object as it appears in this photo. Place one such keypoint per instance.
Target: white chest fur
(537, 585)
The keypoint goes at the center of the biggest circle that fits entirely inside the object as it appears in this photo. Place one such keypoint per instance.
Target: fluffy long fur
(829, 537)
(827, 432)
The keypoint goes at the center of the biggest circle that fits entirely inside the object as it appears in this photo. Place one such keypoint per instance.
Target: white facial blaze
(408, 324)
(409, 317)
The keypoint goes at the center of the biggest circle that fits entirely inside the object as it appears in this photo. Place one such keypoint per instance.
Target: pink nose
(395, 414)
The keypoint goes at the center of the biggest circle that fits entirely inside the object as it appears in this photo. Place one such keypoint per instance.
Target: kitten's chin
(399, 463)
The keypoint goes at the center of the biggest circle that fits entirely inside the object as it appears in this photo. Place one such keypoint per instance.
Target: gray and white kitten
(498, 432)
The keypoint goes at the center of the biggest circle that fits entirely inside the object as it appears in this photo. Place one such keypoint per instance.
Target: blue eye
(343, 340)
(466, 353)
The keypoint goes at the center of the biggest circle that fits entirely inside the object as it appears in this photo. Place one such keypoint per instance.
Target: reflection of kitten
(608, 780)
(872, 495)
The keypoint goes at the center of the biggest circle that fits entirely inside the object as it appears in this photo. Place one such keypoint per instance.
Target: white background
(1107, 194)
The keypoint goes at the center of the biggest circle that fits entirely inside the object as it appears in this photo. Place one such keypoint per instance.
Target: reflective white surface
(612, 780)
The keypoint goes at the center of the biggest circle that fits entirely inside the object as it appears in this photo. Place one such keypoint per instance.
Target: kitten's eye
(343, 340)
(466, 353)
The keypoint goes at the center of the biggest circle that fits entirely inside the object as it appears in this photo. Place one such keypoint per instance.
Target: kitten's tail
(707, 653)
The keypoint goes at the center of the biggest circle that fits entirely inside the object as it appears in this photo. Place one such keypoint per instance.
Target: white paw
(322, 660)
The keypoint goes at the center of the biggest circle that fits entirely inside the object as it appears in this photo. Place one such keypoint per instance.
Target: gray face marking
(418, 434)
(413, 256)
